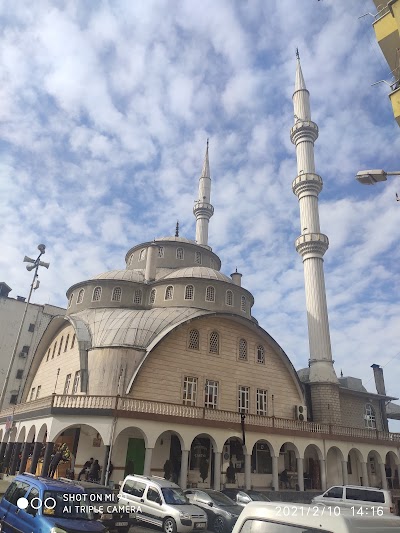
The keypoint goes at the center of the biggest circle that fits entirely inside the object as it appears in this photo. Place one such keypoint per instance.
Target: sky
(105, 109)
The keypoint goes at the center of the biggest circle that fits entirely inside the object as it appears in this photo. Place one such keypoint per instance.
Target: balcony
(395, 101)
(386, 28)
(124, 407)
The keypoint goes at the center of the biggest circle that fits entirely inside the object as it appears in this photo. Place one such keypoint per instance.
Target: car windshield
(220, 499)
(174, 496)
(258, 496)
(64, 504)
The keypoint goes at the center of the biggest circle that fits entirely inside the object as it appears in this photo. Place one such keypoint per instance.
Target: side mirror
(159, 501)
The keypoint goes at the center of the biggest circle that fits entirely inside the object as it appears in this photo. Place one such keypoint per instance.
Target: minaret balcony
(203, 209)
(312, 245)
(307, 184)
(304, 130)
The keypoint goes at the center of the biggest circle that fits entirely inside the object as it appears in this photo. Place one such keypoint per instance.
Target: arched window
(243, 349)
(210, 294)
(179, 253)
(369, 417)
(96, 294)
(54, 350)
(243, 303)
(70, 299)
(152, 298)
(142, 254)
(116, 294)
(73, 341)
(260, 354)
(137, 296)
(169, 292)
(48, 354)
(79, 300)
(189, 292)
(161, 251)
(194, 339)
(229, 298)
(197, 258)
(66, 343)
(214, 342)
(59, 348)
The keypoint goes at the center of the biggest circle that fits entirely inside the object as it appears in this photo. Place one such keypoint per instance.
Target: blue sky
(105, 108)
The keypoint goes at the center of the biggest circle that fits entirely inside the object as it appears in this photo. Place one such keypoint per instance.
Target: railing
(382, 12)
(132, 405)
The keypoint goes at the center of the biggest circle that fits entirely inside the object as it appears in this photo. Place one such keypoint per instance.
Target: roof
(393, 411)
(125, 275)
(47, 482)
(198, 272)
(160, 481)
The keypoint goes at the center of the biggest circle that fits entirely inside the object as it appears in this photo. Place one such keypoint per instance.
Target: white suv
(161, 503)
(354, 496)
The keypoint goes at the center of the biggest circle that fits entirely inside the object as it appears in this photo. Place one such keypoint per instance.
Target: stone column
(383, 476)
(184, 469)
(14, 462)
(300, 473)
(7, 455)
(217, 470)
(322, 465)
(24, 458)
(35, 456)
(2, 449)
(247, 471)
(47, 458)
(275, 477)
(344, 473)
(147, 462)
(105, 464)
(365, 480)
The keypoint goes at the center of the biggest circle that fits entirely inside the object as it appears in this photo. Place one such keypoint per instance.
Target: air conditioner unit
(301, 412)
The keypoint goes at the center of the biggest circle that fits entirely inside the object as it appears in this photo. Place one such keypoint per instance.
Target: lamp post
(36, 263)
(370, 177)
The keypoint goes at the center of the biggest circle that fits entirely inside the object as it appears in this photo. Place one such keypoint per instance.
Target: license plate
(200, 525)
(121, 524)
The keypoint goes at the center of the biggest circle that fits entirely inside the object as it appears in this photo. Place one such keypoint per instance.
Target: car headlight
(106, 516)
(57, 530)
(185, 516)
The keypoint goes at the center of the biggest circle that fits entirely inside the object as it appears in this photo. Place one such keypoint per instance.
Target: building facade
(161, 366)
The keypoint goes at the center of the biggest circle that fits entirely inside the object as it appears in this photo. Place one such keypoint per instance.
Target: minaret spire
(312, 245)
(203, 210)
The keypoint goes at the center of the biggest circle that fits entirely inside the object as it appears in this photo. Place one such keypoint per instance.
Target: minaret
(202, 209)
(312, 245)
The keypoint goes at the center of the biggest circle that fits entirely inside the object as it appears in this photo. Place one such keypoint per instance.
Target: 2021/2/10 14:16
(365, 510)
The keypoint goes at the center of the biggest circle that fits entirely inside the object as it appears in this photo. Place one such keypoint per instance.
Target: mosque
(162, 363)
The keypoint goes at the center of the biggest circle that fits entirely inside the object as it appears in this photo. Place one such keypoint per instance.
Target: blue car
(43, 505)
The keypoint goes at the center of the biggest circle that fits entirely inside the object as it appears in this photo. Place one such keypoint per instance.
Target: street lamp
(370, 177)
(36, 263)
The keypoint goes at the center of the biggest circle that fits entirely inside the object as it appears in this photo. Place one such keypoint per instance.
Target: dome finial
(297, 54)
(177, 229)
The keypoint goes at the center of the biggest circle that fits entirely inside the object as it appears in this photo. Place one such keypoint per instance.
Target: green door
(134, 463)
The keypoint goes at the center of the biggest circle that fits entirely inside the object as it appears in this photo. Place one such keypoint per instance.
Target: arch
(369, 416)
(142, 255)
(243, 303)
(180, 253)
(213, 345)
(261, 463)
(374, 461)
(58, 428)
(169, 293)
(116, 294)
(189, 292)
(81, 294)
(312, 466)
(96, 297)
(229, 298)
(210, 294)
(152, 297)
(392, 471)
(201, 459)
(70, 299)
(21, 434)
(243, 349)
(334, 466)
(137, 296)
(41, 433)
(194, 339)
(260, 354)
(31, 434)
(354, 466)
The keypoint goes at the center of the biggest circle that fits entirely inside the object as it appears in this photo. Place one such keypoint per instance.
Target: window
(260, 354)
(243, 303)
(243, 349)
(194, 339)
(38, 391)
(16, 490)
(142, 254)
(70, 299)
(81, 293)
(66, 343)
(31, 328)
(369, 417)
(179, 253)
(25, 349)
(261, 459)
(48, 354)
(153, 495)
(197, 258)
(169, 292)
(189, 391)
(116, 294)
(96, 294)
(32, 500)
(59, 348)
(32, 394)
(135, 488)
(229, 298)
(189, 292)
(14, 399)
(19, 374)
(152, 298)
(73, 341)
(211, 397)
(54, 350)
(243, 399)
(210, 294)
(67, 384)
(214, 342)
(262, 407)
(334, 492)
(77, 379)
(137, 296)
(161, 251)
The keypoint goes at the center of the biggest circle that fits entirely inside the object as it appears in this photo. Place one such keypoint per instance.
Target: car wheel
(169, 525)
(219, 524)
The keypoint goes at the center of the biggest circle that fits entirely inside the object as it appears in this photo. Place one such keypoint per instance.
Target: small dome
(125, 275)
(198, 272)
(176, 239)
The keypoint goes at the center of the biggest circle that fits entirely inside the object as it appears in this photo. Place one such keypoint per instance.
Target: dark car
(222, 512)
(243, 497)
(33, 503)
(104, 505)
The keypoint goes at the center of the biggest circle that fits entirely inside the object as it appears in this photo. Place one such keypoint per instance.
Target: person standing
(94, 472)
(85, 469)
(54, 462)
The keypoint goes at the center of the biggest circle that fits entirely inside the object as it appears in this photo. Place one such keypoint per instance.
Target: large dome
(198, 272)
(125, 275)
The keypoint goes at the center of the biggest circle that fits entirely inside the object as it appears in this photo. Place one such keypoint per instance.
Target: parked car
(34, 503)
(222, 512)
(284, 517)
(108, 509)
(351, 496)
(161, 503)
(243, 497)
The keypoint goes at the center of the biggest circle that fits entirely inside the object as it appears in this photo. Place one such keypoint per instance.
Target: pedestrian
(54, 462)
(94, 472)
(85, 469)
